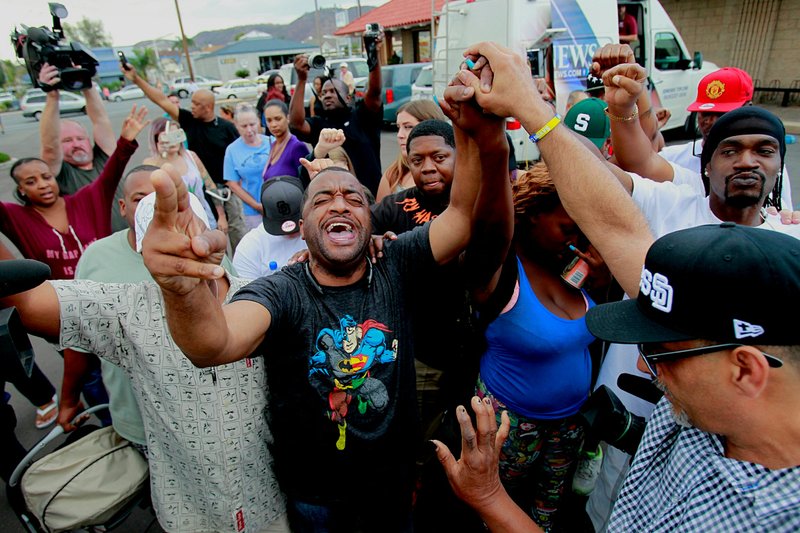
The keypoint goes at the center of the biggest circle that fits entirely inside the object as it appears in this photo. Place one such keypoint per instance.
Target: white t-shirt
(683, 155)
(261, 254)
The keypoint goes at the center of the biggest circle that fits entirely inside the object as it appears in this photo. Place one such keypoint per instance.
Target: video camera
(371, 33)
(76, 64)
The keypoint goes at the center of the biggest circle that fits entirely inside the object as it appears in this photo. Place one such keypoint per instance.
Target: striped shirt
(681, 480)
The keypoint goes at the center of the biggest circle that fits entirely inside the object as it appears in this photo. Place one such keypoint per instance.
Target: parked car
(8, 100)
(237, 89)
(356, 65)
(422, 88)
(396, 81)
(33, 102)
(184, 86)
(262, 79)
(129, 92)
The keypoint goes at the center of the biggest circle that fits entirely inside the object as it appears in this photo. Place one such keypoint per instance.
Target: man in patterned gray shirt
(206, 429)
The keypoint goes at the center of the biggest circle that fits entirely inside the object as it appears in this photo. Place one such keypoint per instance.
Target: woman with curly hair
(536, 365)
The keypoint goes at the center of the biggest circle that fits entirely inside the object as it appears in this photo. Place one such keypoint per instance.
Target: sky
(131, 21)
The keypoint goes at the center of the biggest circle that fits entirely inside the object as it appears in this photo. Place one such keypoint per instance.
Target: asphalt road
(21, 139)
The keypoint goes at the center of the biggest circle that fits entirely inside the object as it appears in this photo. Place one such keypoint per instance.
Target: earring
(22, 194)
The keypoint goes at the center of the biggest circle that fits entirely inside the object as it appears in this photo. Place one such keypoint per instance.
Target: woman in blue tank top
(537, 364)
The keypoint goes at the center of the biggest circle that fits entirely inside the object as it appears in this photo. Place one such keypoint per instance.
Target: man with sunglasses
(721, 450)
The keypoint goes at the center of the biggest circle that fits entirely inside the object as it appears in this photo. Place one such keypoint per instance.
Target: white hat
(146, 208)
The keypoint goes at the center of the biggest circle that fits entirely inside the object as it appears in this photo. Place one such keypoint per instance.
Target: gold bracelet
(624, 119)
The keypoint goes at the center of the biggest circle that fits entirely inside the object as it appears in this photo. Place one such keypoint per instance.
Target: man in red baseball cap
(721, 91)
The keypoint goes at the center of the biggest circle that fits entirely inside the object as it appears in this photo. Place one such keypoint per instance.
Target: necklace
(276, 150)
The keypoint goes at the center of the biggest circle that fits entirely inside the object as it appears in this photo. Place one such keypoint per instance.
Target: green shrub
(5, 106)
(4, 157)
(242, 73)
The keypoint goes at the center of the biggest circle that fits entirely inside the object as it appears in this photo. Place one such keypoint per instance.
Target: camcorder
(371, 33)
(607, 419)
(76, 64)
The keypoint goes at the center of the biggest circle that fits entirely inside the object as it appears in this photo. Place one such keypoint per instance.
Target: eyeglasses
(650, 359)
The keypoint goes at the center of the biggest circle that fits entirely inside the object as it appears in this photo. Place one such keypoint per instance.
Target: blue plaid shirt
(680, 480)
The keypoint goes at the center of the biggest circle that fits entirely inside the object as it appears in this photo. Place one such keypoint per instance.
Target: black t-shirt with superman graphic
(340, 370)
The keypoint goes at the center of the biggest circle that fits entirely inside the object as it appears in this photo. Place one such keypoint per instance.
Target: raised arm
(297, 110)
(183, 257)
(38, 309)
(633, 149)
(373, 99)
(50, 122)
(155, 95)
(101, 125)
(450, 232)
(611, 55)
(588, 190)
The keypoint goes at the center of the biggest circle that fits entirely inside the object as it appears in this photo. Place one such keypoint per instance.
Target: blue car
(397, 82)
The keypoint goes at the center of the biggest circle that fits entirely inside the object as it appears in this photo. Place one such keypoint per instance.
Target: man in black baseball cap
(267, 248)
(729, 365)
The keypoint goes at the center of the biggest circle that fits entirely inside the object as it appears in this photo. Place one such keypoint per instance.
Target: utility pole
(185, 46)
(359, 8)
(316, 22)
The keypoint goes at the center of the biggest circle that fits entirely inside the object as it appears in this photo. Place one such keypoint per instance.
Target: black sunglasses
(650, 359)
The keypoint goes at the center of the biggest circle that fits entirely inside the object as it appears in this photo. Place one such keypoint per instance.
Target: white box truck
(561, 36)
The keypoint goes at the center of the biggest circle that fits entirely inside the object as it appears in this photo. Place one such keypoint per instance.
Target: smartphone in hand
(123, 60)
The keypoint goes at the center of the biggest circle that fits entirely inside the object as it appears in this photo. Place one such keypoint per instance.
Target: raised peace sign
(178, 249)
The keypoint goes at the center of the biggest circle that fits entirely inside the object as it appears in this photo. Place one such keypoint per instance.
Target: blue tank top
(536, 363)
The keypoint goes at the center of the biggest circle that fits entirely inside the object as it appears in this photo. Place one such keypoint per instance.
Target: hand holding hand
(134, 123)
(178, 249)
(511, 82)
(475, 476)
(461, 108)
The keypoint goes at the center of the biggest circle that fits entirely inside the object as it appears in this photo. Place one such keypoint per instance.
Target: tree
(89, 32)
(242, 73)
(177, 44)
(143, 59)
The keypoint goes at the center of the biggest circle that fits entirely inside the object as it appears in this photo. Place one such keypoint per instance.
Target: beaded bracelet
(547, 128)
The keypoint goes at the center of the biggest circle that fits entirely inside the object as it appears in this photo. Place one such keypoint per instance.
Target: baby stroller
(92, 482)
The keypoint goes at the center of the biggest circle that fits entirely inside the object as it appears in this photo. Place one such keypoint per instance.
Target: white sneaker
(588, 470)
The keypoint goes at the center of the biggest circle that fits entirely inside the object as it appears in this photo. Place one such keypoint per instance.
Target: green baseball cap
(589, 119)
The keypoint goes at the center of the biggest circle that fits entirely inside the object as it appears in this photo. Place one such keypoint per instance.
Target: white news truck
(560, 37)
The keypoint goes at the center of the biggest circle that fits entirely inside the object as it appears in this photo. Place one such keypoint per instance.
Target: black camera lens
(318, 62)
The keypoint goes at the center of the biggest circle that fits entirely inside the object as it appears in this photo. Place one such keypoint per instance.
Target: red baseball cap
(723, 90)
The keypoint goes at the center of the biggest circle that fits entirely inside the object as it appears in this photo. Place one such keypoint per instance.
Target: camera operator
(361, 121)
(66, 146)
(208, 137)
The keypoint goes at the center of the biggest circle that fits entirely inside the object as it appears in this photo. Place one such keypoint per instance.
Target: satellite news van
(559, 37)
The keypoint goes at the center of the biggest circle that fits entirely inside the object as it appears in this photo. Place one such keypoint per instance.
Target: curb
(792, 127)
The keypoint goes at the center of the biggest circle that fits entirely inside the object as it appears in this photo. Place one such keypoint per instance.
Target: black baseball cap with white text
(722, 282)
